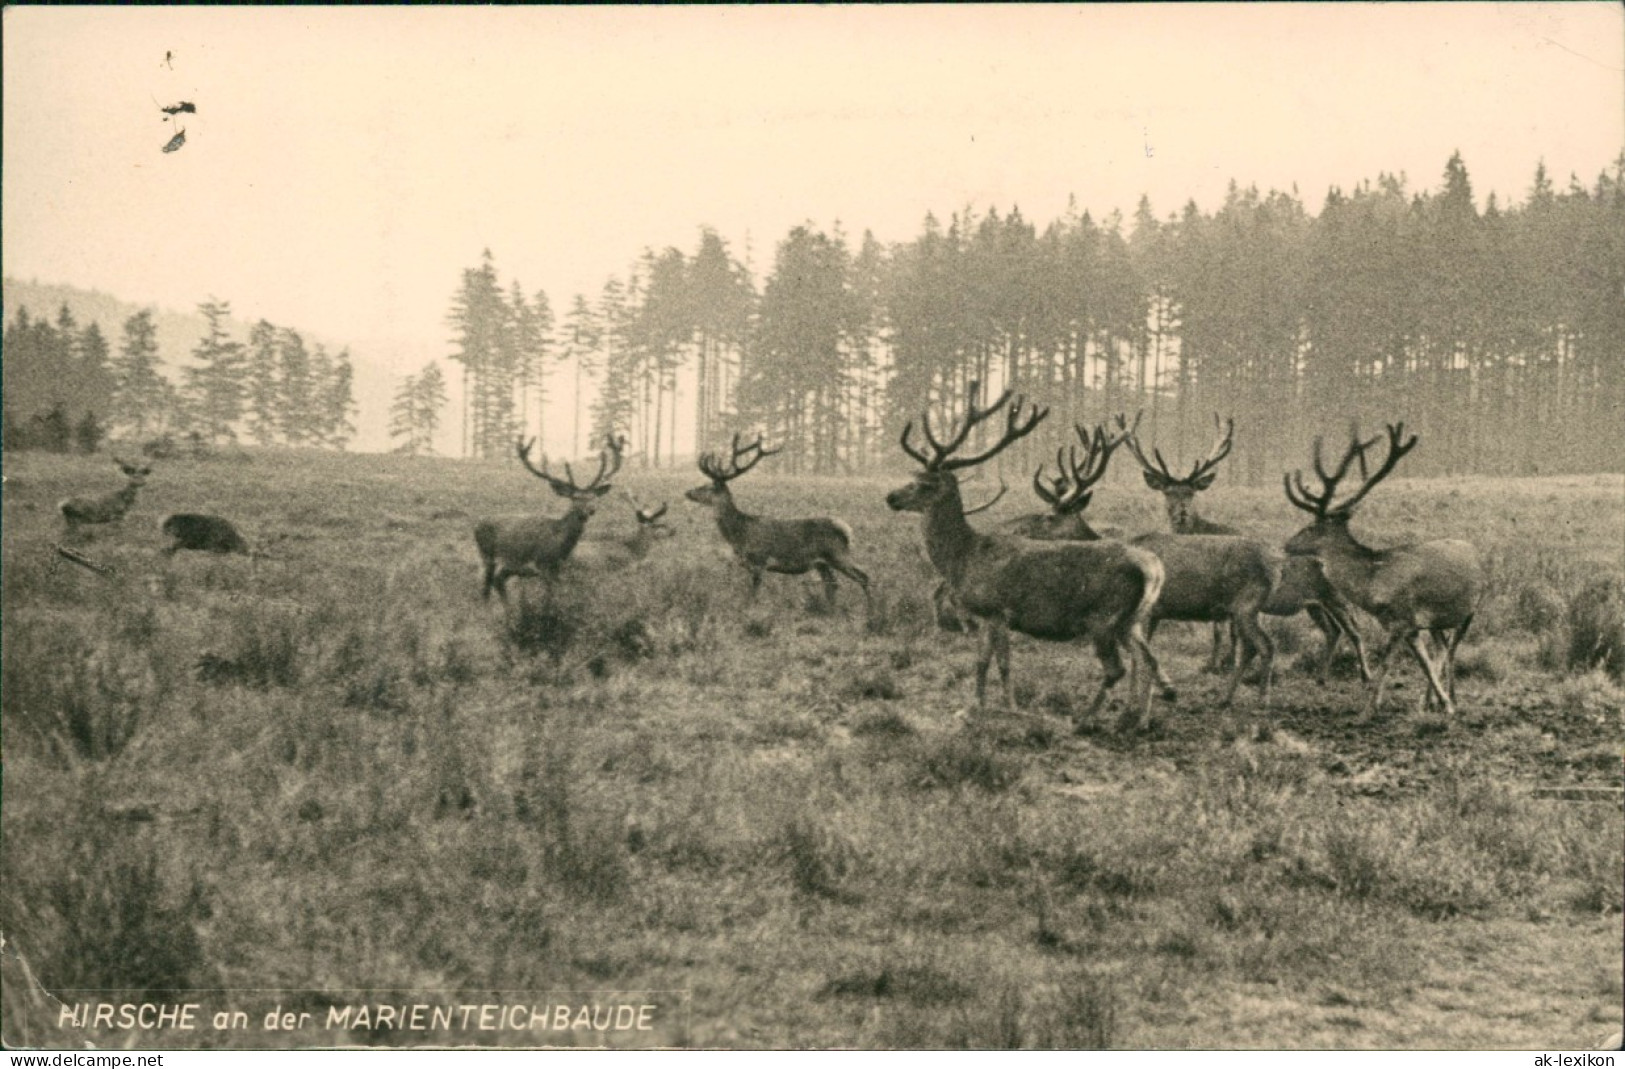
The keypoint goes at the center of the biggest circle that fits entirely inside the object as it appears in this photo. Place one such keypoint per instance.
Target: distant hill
(178, 332)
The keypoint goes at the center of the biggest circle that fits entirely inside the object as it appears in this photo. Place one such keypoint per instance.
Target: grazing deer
(626, 550)
(539, 546)
(109, 508)
(1302, 585)
(789, 547)
(202, 532)
(1423, 586)
(1069, 491)
(1099, 591)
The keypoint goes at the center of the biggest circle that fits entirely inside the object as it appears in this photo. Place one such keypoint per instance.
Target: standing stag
(789, 547)
(109, 508)
(1099, 591)
(1302, 585)
(539, 546)
(1424, 586)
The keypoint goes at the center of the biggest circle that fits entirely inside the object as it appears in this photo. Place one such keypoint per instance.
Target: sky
(345, 165)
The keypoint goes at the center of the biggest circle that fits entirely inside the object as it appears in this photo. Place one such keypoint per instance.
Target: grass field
(337, 770)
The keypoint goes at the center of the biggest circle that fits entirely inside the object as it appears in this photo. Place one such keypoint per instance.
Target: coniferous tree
(216, 385)
(144, 398)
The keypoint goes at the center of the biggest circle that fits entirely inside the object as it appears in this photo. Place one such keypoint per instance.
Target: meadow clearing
(337, 769)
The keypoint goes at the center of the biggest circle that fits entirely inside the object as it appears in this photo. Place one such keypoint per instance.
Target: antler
(642, 513)
(1073, 483)
(1216, 452)
(613, 448)
(994, 500)
(1015, 429)
(1321, 504)
(712, 467)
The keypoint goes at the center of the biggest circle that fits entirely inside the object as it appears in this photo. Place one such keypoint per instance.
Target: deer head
(583, 499)
(137, 474)
(936, 481)
(741, 460)
(1331, 517)
(1180, 493)
(649, 522)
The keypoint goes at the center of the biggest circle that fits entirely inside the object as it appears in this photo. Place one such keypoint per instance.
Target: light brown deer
(624, 551)
(1430, 587)
(1099, 591)
(1302, 586)
(539, 546)
(108, 508)
(788, 547)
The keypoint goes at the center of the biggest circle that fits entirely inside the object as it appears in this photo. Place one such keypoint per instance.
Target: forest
(1497, 334)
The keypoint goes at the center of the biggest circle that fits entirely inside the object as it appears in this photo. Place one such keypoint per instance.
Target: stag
(109, 508)
(539, 546)
(788, 547)
(1302, 585)
(1099, 591)
(203, 533)
(626, 550)
(1069, 491)
(1430, 587)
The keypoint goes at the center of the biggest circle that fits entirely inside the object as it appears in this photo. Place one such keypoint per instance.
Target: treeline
(272, 389)
(1498, 335)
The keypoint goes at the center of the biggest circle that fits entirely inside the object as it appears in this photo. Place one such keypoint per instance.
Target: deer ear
(1155, 481)
(1205, 481)
(600, 491)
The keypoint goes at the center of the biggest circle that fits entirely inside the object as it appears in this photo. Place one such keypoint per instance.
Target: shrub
(1597, 628)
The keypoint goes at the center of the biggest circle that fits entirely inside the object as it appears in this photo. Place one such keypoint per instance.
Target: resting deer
(1302, 585)
(789, 547)
(109, 508)
(1423, 586)
(1099, 591)
(623, 551)
(539, 546)
(1069, 491)
(202, 532)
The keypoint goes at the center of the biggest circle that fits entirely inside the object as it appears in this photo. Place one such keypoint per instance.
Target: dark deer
(1302, 586)
(626, 550)
(788, 547)
(203, 533)
(1099, 591)
(1430, 587)
(539, 546)
(1069, 491)
(109, 508)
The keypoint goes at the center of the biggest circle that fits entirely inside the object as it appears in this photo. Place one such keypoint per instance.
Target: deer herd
(1049, 575)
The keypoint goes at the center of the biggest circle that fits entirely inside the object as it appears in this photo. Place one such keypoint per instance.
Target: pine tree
(215, 387)
(144, 398)
(262, 386)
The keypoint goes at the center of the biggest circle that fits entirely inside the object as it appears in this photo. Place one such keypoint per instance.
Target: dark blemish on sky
(176, 142)
(185, 106)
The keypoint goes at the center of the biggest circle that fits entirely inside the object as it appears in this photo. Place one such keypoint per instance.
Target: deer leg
(755, 580)
(1450, 656)
(827, 574)
(490, 578)
(1216, 659)
(1339, 613)
(1436, 690)
(1001, 647)
(984, 657)
(1332, 633)
(857, 575)
(1373, 689)
(501, 583)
